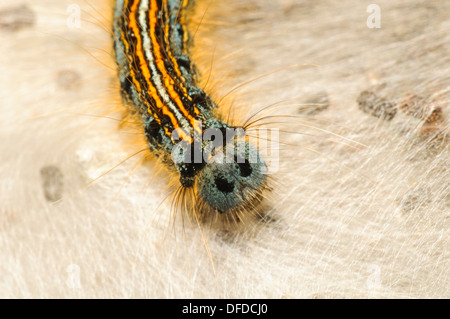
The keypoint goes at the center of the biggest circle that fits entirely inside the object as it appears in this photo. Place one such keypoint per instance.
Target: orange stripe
(168, 81)
(144, 68)
(127, 48)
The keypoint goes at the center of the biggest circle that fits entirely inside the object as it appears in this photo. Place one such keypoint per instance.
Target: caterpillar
(159, 82)
(377, 229)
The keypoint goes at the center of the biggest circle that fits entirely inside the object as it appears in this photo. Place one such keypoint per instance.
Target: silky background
(360, 206)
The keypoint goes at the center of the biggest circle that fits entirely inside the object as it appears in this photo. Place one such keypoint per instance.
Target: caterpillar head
(230, 177)
(235, 182)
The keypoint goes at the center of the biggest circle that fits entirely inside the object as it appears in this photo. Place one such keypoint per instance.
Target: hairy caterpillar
(372, 223)
(159, 81)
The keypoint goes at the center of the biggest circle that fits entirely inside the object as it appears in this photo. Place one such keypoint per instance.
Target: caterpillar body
(181, 123)
(376, 228)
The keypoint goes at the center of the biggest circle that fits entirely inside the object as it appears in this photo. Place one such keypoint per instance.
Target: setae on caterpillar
(216, 164)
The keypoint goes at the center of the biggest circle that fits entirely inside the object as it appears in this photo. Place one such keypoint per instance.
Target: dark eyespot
(245, 168)
(223, 185)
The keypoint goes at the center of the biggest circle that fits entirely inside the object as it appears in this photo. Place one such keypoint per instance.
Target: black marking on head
(223, 185)
(187, 181)
(189, 168)
(245, 168)
(229, 187)
(188, 172)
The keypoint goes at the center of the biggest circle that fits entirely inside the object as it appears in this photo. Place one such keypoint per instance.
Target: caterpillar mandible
(182, 126)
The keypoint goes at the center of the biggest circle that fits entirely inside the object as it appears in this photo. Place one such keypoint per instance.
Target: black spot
(153, 132)
(183, 61)
(189, 169)
(223, 185)
(187, 181)
(197, 95)
(245, 168)
(126, 85)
